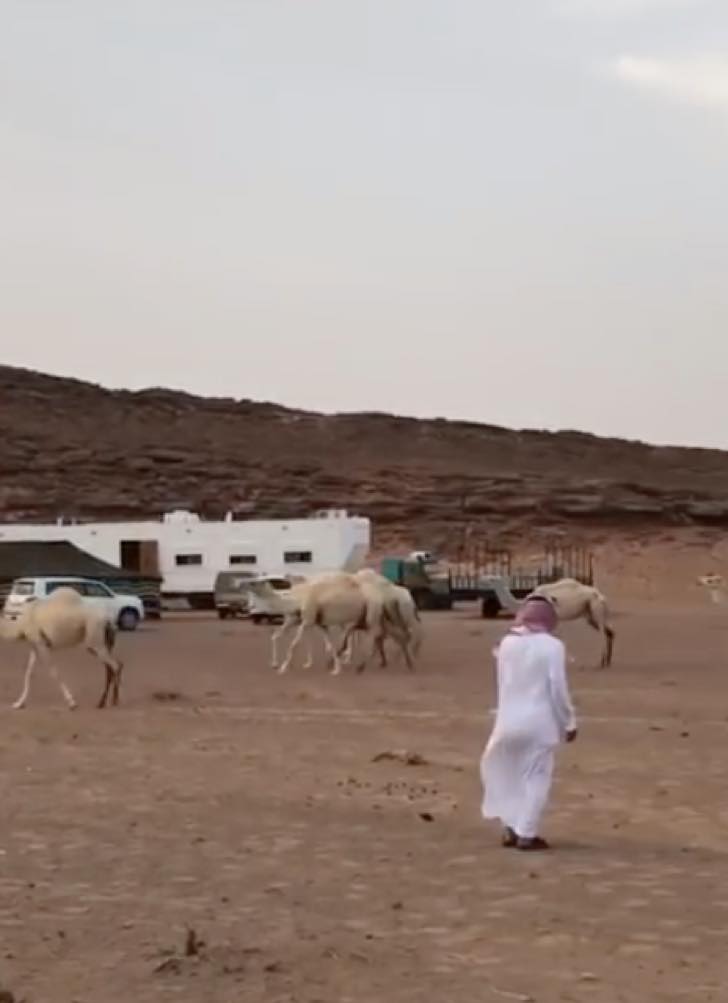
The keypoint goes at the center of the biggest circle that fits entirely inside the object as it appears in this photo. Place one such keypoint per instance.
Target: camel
(716, 586)
(409, 616)
(287, 606)
(331, 600)
(574, 601)
(64, 620)
(401, 621)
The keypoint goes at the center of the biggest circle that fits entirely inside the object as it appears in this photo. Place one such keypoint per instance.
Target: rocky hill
(78, 450)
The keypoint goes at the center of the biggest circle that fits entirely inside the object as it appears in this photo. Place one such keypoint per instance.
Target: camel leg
(382, 654)
(276, 636)
(117, 683)
(405, 648)
(329, 645)
(608, 646)
(292, 648)
(107, 686)
(340, 648)
(597, 621)
(346, 648)
(23, 698)
(113, 677)
(376, 636)
(333, 655)
(401, 639)
(309, 645)
(55, 676)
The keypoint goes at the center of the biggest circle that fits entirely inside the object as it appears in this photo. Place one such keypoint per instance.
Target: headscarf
(537, 615)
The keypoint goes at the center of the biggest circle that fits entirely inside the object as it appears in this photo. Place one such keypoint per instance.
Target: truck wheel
(256, 618)
(128, 619)
(223, 614)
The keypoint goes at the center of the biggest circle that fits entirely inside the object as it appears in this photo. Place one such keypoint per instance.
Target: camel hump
(65, 594)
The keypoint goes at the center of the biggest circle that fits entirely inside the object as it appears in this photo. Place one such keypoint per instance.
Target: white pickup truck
(125, 611)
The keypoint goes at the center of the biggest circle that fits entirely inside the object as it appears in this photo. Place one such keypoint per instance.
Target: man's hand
(571, 734)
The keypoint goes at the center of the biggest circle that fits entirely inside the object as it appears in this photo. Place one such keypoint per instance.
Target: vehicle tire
(256, 618)
(128, 619)
(490, 607)
(223, 613)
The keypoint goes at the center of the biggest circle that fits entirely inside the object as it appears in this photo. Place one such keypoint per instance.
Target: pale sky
(512, 211)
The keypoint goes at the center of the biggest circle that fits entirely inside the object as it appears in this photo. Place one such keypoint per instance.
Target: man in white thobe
(534, 715)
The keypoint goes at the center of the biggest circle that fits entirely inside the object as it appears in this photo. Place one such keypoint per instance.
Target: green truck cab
(427, 579)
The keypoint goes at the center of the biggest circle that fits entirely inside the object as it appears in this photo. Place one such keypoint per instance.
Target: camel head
(283, 600)
(11, 630)
(261, 588)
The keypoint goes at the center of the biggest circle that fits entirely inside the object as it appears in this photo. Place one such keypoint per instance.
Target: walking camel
(575, 601)
(328, 601)
(64, 620)
(401, 620)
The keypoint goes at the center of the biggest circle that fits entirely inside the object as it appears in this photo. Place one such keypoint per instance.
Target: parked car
(231, 595)
(126, 611)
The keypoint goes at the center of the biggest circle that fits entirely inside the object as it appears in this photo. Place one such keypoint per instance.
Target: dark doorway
(141, 556)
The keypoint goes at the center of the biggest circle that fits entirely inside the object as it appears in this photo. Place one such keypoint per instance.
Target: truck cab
(427, 578)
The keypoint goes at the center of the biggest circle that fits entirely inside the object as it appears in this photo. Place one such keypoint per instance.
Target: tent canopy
(41, 558)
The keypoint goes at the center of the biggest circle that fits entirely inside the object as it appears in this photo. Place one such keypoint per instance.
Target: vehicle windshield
(22, 589)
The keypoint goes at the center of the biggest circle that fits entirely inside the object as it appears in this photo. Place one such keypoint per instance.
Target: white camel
(287, 606)
(716, 586)
(401, 621)
(64, 620)
(575, 601)
(409, 617)
(328, 601)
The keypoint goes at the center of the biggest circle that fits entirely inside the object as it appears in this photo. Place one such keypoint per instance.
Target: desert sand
(229, 834)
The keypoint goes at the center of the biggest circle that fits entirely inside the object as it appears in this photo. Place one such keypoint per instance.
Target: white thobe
(534, 713)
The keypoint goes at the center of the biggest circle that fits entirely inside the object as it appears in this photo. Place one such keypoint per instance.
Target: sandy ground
(249, 809)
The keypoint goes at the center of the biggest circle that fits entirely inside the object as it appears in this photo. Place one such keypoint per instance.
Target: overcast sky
(505, 210)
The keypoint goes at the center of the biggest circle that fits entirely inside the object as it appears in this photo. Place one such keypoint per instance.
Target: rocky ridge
(76, 449)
